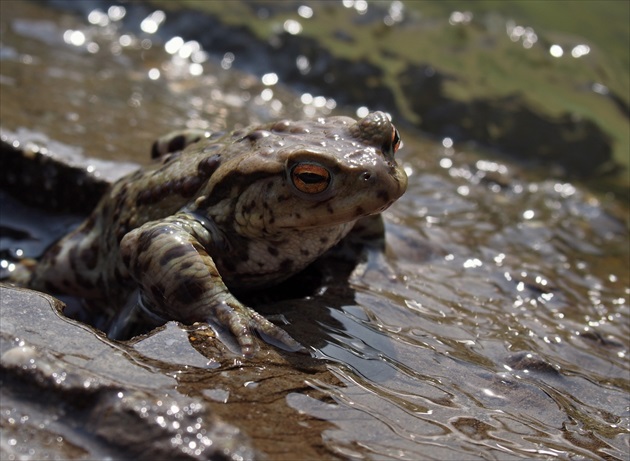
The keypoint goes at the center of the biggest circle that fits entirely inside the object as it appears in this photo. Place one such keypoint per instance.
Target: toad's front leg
(169, 261)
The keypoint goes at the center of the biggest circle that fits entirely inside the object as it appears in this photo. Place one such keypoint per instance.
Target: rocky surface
(67, 391)
(46, 167)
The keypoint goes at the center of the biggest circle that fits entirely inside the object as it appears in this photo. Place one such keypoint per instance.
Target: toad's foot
(242, 321)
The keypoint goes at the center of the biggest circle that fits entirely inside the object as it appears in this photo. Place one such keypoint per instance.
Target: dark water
(502, 330)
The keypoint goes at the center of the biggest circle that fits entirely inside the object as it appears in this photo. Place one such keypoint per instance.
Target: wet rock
(531, 362)
(506, 123)
(473, 428)
(69, 393)
(174, 393)
(53, 171)
(601, 339)
(171, 347)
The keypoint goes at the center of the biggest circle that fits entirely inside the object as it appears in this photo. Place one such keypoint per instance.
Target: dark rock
(74, 387)
(530, 362)
(52, 172)
(508, 124)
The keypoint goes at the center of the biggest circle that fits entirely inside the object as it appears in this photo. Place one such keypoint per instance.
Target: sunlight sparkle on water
(228, 59)
(564, 189)
(173, 45)
(303, 64)
(125, 40)
(471, 263)
(74, 37)
(463, 190)
(269, 79)
(188, 48)
(498, 259)
(360, 6)
(486, 165)
(580, 50)
(446, 163)
(459, 17)
(152, 23)
(395, 14)
(305, 11)
(4, 264)
(292, 26)
(195, 69)
(362, 111)
(116, 13)
(266, 94)
(98, 18)
(519, 33)
(556, 51)
(528, 214)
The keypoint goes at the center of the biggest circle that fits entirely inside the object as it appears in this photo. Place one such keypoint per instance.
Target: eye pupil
(310, 178)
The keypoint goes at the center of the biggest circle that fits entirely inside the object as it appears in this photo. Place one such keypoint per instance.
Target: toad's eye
(395, 140)
(310, 178)
(392, 144)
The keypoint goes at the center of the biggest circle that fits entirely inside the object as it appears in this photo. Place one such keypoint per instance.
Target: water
(500, 330)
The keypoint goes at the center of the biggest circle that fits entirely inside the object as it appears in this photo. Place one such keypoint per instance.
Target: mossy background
(482, 60)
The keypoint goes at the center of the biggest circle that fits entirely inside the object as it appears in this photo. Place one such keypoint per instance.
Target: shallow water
(501, 331)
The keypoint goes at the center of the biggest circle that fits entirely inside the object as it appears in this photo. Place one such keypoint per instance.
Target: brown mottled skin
(241, 211)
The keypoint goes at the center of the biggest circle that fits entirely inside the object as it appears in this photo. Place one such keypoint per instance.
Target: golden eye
(310, 178)
(395, 140)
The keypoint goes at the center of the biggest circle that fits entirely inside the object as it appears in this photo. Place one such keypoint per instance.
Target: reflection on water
(503, 332)
(515, 339)
(506, 287)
